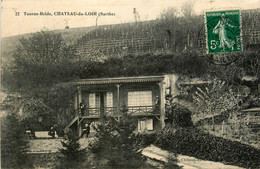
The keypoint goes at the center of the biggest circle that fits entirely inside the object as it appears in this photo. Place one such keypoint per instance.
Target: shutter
(139, 125)
(142, 123)
(149, 124)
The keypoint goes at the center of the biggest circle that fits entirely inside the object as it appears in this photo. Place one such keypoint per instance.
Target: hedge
(193, 142)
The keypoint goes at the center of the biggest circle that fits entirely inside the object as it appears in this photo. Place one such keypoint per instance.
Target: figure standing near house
(86, 130)
(82, 108)
(221, 30)
(157, 104)
(52, 132)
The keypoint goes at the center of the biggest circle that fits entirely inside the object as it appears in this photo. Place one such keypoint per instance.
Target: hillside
(69, 35)
(143, 37)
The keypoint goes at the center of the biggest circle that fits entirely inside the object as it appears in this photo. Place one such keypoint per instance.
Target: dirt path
(51, 145)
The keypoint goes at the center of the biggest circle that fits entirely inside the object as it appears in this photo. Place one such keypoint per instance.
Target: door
(94, 103)
(99, 103)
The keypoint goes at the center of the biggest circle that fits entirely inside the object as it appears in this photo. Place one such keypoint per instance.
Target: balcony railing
(93, 111)
(140, 109)
(131, 110)
(110, 111)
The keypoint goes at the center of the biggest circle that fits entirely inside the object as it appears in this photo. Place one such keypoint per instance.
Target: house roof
(138, 79)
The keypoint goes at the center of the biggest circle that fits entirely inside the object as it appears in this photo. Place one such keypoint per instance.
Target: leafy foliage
(180, 115)
(40, 62)
(214, 99)
(145, 139)
(60, 100)
(250, 62)
(116, 143)
(72, 155)
(147, 64)
(36, 115)
(14, 143)
(193, 142)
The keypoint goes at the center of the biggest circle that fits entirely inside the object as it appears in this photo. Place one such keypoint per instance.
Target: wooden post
(162, 101)
(79, 128)
(76, 99)
(222, 129)
(118, 98)
(213, 122)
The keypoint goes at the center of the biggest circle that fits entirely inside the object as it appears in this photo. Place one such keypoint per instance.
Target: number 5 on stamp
(223, 31)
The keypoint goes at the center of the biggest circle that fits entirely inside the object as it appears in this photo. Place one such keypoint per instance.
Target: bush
(179, 115)
(193, 142)
(145, 140)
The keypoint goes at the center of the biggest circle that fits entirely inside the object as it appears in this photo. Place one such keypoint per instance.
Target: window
(140, 98)
(109, 99)
(94, 100)
(145, 124)
(94, 103)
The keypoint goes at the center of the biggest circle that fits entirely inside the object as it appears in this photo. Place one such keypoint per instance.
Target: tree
(181, 25)
(40, 62)
(14, 143)
(187, 9)
(169, 14)
(60, 100)
(72, 154)
(116, 143)
(169, 21)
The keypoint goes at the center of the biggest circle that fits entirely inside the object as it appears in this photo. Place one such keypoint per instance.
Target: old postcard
(130, 84)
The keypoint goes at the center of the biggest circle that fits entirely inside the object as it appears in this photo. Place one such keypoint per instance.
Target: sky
(121, 10)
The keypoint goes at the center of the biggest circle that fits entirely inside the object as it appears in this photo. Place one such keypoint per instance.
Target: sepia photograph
(130, 84)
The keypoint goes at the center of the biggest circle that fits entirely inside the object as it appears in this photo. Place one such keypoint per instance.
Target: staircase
(74, 118)
(72, 121)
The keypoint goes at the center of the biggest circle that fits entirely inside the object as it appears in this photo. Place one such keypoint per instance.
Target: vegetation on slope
(193, 142)
(43, 61)
(183, 138)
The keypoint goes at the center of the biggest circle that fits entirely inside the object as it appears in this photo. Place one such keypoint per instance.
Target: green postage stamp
(223, 31)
